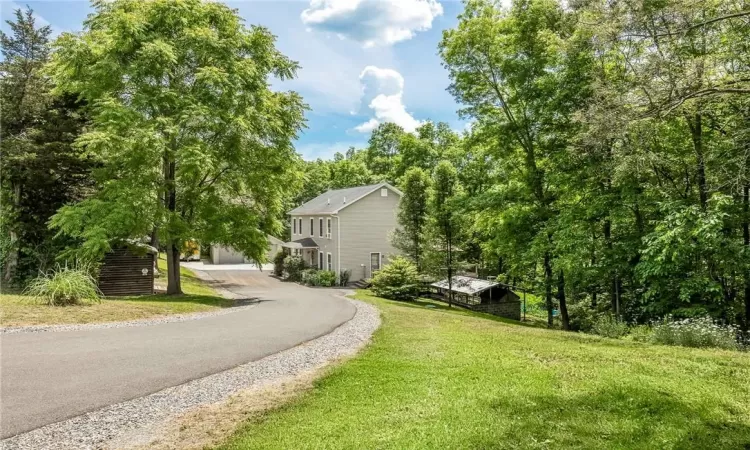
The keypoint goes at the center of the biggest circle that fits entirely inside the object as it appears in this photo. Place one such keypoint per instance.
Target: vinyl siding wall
(324, 244)
(366, 227)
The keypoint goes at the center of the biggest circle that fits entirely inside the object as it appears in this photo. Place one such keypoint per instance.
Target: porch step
(362, 284)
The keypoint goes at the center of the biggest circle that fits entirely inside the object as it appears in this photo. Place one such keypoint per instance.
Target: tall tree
(524, 104)
(412, 214)
(192, 139)
(23, 98)
(382, 154)
(445, 215)
(42, 170)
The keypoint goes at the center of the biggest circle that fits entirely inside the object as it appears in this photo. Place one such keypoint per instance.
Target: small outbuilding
(128, 270)
(480, 295)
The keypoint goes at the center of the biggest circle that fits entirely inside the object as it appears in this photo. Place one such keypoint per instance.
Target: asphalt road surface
(51, 376)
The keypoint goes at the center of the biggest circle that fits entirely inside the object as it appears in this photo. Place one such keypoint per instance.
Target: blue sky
(363, 62)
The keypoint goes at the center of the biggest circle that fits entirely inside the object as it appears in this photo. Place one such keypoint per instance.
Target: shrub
(278, 263)
(309, 277)
(695, 332)
(582, 317)
(609, 326)
(327, 278)
(398, 280)
(65, 286)
(315, 277)
(344, 276)
(641, 333)
(293, 267)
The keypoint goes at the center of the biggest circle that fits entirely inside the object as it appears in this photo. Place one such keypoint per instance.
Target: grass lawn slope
(438, 378)
(20, 310)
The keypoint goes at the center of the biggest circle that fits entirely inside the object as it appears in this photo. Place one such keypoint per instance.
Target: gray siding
(325, 244)
(366, 227)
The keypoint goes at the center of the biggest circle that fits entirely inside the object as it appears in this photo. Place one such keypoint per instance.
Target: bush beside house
(323, 278)
(293, 267)
(398, 280)
(278, 263)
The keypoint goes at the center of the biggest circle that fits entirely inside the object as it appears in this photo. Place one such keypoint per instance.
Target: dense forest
(604, 165)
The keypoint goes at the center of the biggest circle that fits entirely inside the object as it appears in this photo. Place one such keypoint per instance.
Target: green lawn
(434, 378)
(20, 310)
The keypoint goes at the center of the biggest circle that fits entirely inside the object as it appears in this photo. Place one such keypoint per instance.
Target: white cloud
(368, 126)
(324, 150)
(386, 88)
(372, 22)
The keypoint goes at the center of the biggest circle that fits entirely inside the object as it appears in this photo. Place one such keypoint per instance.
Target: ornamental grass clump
(695, 332)
(65, 286)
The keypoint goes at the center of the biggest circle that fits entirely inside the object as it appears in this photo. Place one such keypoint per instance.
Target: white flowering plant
(696, 332)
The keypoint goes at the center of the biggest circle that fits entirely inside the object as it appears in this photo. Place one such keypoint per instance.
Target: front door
(374, 263)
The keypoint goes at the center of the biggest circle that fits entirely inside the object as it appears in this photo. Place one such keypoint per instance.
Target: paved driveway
(51, 376)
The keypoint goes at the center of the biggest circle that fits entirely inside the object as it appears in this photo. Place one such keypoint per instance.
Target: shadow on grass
(622, 415)
(188, 298)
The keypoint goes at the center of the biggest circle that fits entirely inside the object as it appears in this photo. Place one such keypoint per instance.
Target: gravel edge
(116, 423)
(140, 322)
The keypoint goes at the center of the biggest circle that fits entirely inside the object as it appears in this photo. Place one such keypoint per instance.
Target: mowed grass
(21, 310)
(434, 378)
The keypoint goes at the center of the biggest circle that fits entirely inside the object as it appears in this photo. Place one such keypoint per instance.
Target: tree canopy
(192, 141)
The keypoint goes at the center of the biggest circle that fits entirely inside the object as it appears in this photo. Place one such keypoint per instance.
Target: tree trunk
(548, 288)
(696, 132)
(746, 239)
(613, 283)
(564, 319)
(594, 287)
(173, 246)
(155, 244)
(450, 270)
(174, 285)
(12, 261)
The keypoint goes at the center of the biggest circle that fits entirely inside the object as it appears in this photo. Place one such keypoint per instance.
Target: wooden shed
(128, 270)
(480, 295)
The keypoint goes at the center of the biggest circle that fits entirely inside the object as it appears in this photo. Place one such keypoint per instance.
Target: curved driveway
(51, 376)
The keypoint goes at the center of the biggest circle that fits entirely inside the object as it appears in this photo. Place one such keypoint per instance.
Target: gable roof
(466, 285)
(331, 202)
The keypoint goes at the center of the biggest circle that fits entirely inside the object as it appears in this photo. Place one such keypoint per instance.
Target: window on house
(384, 192)
(312, 226)
(294, 226)
(320, 226)
(328, 228)
(330, 262)
(320, 260)
(300, 225)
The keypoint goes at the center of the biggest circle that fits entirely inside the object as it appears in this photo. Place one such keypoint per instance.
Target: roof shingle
(332, 201)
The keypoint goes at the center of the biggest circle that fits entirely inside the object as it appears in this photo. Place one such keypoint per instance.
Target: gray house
(346, 229)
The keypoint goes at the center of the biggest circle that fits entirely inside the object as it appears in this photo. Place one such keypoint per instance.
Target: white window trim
(320, 261)
(294, 225)
(320, 225)
(312, 227)
(380, 261)
(329, 261)
(328, 228)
